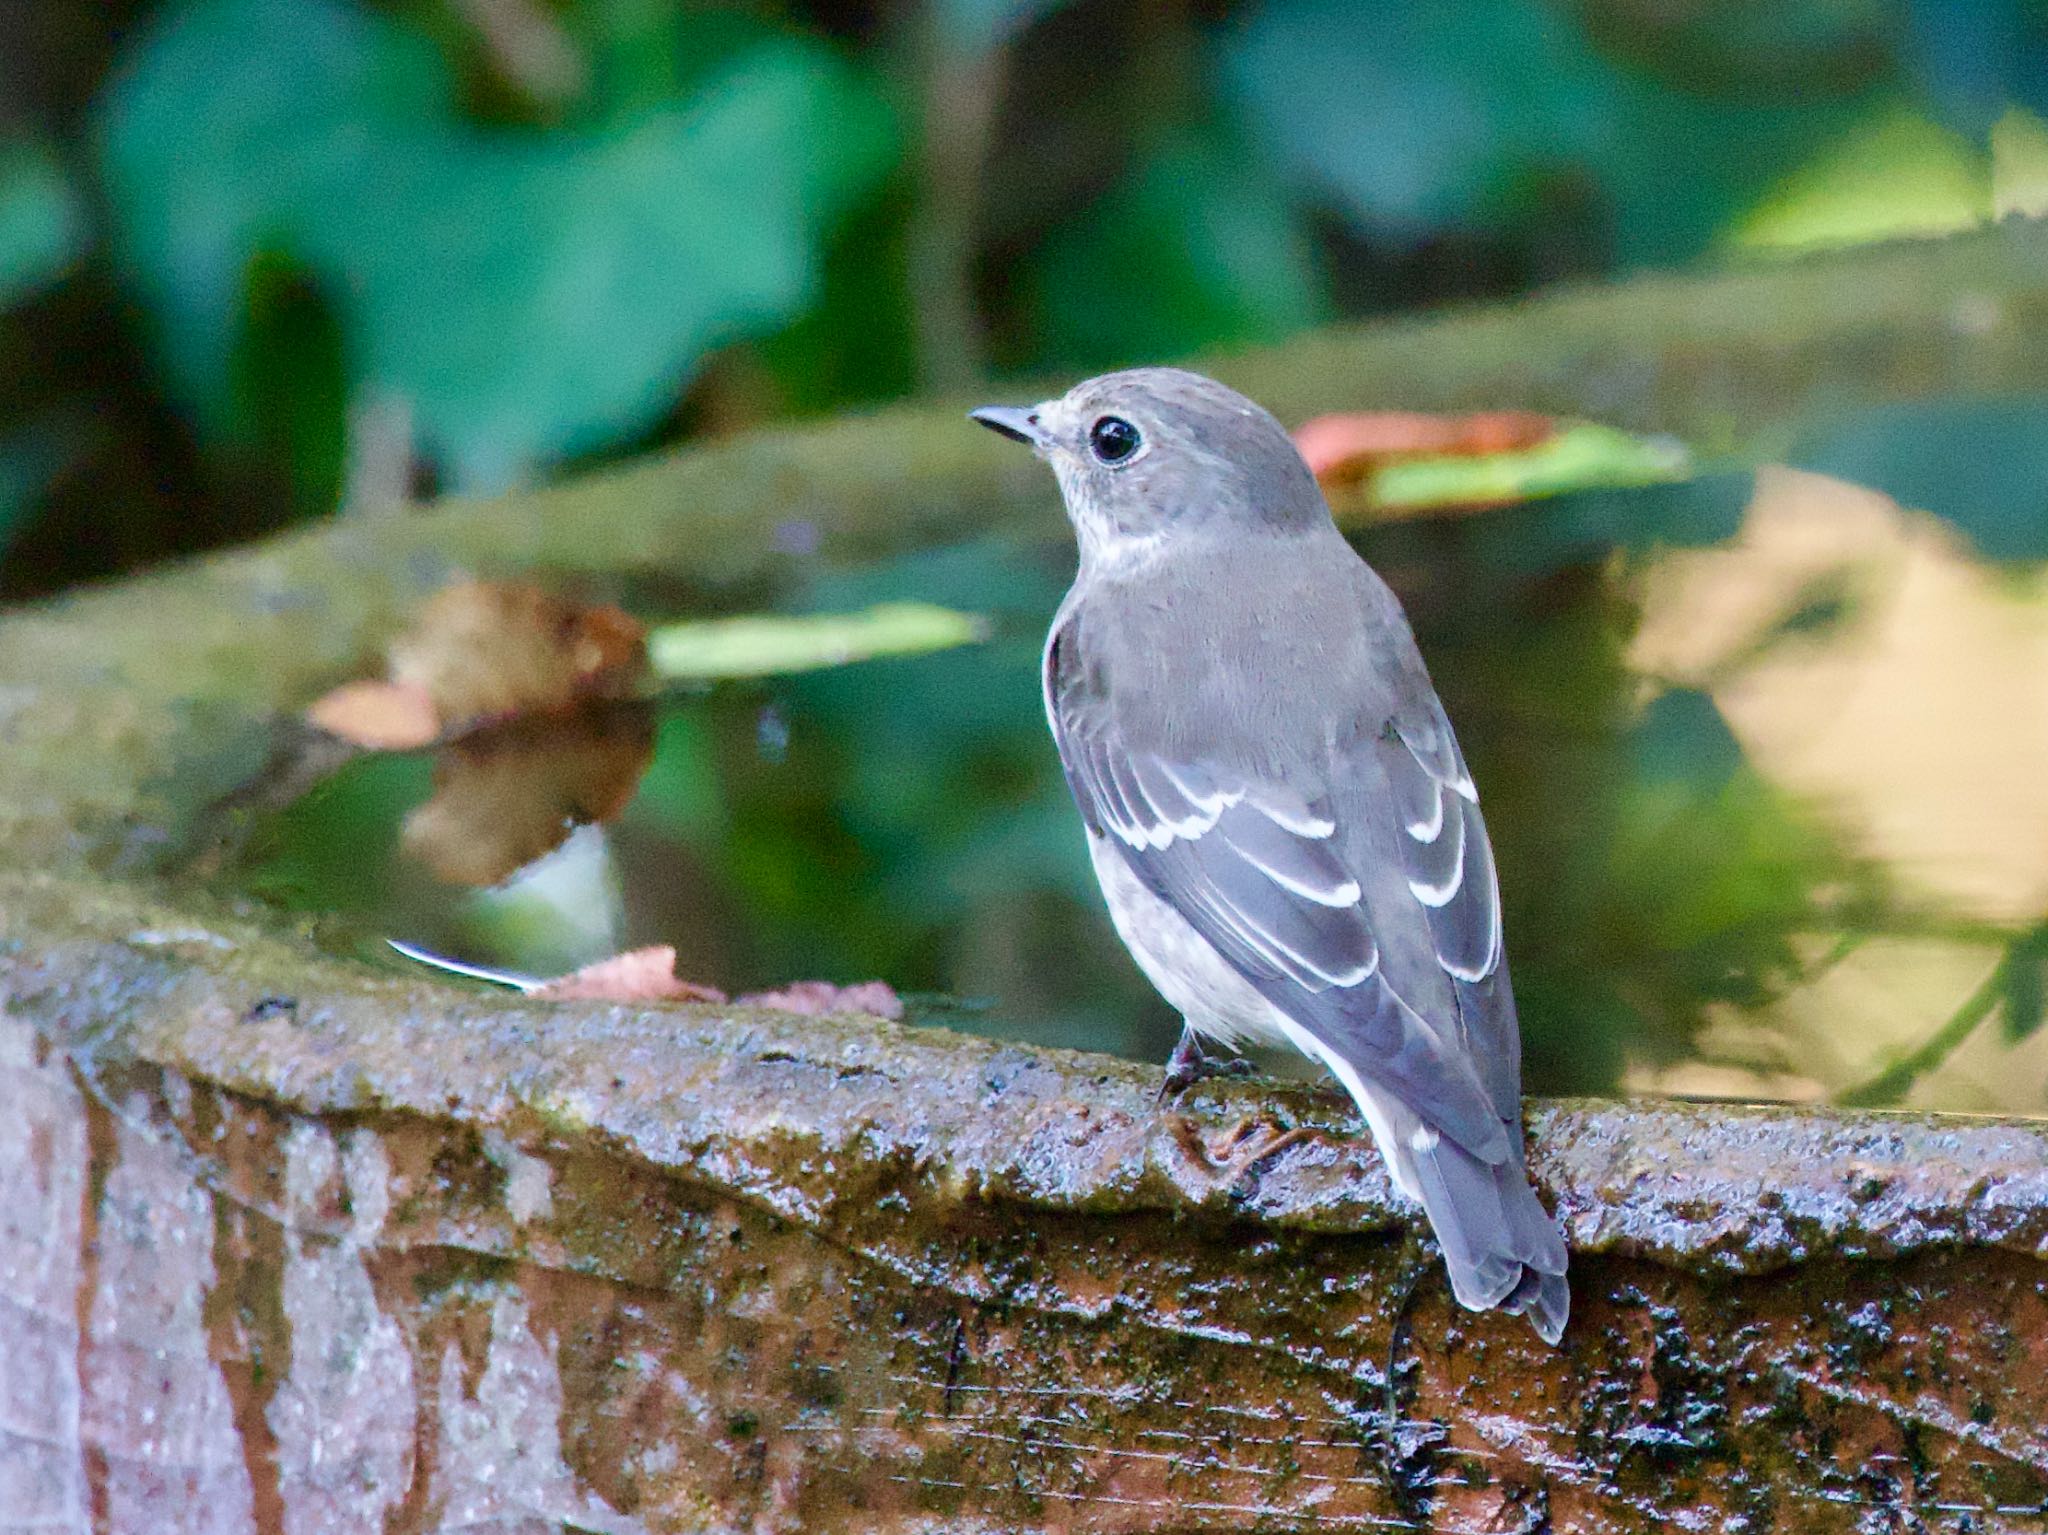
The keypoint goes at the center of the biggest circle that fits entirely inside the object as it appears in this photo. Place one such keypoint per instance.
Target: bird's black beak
(1012, 421)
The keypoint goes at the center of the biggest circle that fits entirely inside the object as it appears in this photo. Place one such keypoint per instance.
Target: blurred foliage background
(268, 261)
(263, 258)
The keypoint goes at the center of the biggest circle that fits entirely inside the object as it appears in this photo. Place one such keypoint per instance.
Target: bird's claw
(1230, 1154)
(1190, 1064)
(1249, 1142)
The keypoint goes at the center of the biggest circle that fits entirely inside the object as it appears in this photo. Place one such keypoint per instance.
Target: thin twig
(1892, 1084)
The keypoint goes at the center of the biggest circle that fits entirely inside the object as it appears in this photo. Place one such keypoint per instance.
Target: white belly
(1218, 1002)
(1179, 961)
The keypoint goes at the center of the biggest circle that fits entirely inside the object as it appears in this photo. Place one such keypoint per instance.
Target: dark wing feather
(1262, 872)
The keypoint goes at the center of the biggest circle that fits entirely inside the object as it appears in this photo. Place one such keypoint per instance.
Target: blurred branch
(1891, 1085)
(959, 93)
(528, 49)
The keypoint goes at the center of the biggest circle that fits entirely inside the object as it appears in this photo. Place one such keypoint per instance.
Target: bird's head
(1151, 457)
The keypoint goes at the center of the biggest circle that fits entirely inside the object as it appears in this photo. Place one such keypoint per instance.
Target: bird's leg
(1235, 1152)
(1190, 1064)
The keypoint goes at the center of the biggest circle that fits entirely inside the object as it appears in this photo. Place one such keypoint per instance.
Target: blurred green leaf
(42, 223)
(643, 54)
(1584, 456)
(772, 644)
(2019, 165)
(528, 294)
(1892, 177)
(1415, 119)
(1196, 249)
(2025, 979)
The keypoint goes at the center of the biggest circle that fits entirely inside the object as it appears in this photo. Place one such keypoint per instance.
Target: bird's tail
(1500, 1245)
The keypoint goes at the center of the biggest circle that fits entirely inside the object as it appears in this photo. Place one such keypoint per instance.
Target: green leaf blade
(724, 649)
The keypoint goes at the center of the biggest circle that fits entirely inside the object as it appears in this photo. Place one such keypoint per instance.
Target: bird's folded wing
(1444, 843)
(1259, 870)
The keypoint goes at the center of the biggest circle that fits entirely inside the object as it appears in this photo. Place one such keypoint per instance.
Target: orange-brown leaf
(506, 796)
(485, 650)
(649, 975)
(479, 652)
(1346, 447)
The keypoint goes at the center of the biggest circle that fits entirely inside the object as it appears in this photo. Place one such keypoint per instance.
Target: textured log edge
(810, 1119)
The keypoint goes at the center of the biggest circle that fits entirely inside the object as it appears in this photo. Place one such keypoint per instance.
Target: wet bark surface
(289, 1244)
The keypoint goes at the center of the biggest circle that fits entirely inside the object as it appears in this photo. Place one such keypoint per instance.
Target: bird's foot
(1190, 1064)
(1227, 1156)
(1251, 1141)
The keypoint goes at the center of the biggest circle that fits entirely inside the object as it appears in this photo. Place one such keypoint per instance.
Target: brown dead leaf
(514, 684)
(638, 975)
(504, 797)
(1346, 448)
(483, 650)
(479, 652)
(820, 997)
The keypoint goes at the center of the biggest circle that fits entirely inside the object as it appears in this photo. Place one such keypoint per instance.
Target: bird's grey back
(1260, 649)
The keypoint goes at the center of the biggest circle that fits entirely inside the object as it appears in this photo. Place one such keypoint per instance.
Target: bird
(1284, 828)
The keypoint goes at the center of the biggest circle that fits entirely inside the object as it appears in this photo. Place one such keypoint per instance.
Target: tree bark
(286, 1242)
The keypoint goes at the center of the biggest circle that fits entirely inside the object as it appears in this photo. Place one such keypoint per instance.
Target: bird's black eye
(1114, 439)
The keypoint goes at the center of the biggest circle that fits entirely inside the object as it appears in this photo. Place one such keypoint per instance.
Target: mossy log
(287, 1243)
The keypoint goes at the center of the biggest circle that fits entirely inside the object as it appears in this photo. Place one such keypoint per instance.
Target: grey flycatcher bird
(1282, 823)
